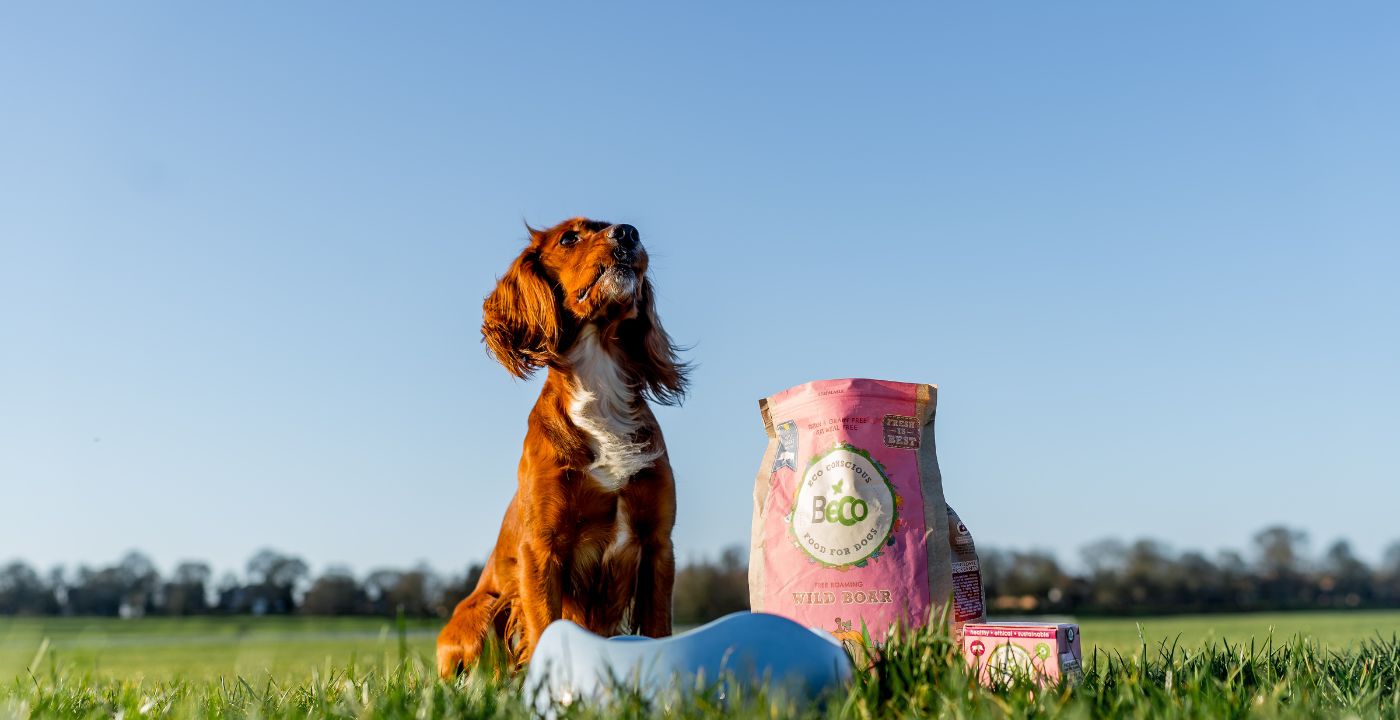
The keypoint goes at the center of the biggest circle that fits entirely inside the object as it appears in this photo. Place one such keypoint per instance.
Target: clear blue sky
(1148, 251)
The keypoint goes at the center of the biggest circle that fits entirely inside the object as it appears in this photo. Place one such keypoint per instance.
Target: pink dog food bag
(850, 528)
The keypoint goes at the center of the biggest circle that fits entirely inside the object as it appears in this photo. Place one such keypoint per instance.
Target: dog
(587, 535)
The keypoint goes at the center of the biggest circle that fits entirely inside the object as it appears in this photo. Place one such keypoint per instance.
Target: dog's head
(579, 272)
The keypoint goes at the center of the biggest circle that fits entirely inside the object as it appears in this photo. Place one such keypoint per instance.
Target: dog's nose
(624, 239)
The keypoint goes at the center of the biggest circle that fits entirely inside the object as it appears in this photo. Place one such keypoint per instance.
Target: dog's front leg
(651, 501)
(656, 575)
(543, 551)
(541, 592)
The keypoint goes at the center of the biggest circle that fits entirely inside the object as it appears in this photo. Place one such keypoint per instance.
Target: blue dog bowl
(572, 664)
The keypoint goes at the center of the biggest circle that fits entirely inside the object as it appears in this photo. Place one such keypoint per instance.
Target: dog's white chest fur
(605, 408)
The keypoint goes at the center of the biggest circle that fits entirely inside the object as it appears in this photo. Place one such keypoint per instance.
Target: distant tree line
(1148, 577)
(273, 583)
(1143, 577)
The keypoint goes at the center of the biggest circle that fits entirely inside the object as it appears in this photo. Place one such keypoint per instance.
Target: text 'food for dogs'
(850, 528)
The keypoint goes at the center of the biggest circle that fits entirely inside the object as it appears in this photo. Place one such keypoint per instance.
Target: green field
(1332, 629)
(288, 648)
(1303, 664)
(285, 648)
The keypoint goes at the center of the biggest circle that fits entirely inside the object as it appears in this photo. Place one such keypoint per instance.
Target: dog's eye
(568, 238)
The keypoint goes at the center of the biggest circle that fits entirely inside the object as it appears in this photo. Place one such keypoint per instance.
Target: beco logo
(844, 507)
(848, 511)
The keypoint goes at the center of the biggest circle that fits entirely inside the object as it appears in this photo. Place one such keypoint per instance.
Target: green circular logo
(1008, 663)
(843, 509)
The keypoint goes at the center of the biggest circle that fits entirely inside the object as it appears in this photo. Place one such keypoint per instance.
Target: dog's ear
(662, 375)
(520, 318)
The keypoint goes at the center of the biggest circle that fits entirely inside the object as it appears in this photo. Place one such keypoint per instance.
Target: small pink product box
(1001, 653)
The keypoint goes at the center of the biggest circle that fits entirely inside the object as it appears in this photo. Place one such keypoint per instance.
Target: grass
(1347, 664)
(203, 648)
(1332, 629)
